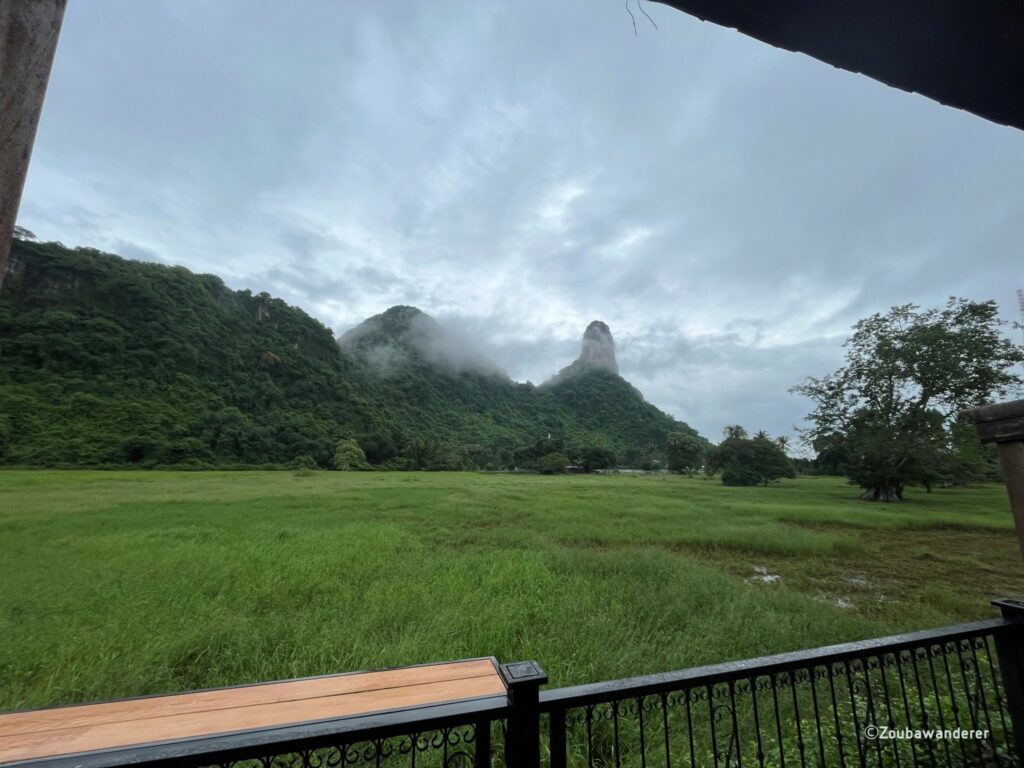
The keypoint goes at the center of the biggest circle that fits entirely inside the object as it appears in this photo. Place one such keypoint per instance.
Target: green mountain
(387, 342)
(107, 362)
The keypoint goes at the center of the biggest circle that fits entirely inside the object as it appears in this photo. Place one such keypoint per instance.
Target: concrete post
(1003, 424)
(28, 39)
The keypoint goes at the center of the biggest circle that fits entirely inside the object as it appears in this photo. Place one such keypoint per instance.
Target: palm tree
(734, 431)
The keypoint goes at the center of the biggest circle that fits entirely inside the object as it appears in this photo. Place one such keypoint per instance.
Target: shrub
(348, 456)
(552, 463)
(593, 458)
(303, 461)
(740, 475)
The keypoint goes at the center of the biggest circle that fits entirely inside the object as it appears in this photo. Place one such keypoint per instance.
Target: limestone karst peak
(598, 349)
(597, 353)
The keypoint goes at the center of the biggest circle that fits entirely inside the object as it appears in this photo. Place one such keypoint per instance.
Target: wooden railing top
(127, 723)
(997, 423)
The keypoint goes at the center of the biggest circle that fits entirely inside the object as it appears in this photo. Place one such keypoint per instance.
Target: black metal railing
(948, 697)
(465, 746)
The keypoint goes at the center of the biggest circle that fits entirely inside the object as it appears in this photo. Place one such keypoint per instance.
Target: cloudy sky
(519, 169)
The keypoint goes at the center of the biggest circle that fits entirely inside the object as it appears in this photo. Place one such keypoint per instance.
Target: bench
(128, 731)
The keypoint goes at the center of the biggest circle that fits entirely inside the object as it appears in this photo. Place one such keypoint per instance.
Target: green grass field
(126, 583)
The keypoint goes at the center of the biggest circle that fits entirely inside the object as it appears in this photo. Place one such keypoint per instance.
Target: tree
(732, 458)
(524, 457)
(783, 442)
(887, 459)
(907, 374)
(549, 444)
(447, 458)
(380, 444)
(421, 452)
(741, 475)
(476, 456)
(831, 454)
(745, 461)
(734, 430)
(968, 460)
(594, 457)
(770, 461)
(649, 460)
(552, 463)
(684, 453)
(348, 456)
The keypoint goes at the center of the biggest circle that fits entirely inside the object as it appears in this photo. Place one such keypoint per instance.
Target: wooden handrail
(1003, 424)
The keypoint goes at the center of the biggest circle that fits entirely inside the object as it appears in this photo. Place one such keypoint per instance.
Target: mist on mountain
(402, 335)
(106, 361)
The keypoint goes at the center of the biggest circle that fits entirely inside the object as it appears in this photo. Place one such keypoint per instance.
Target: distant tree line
(548, 455)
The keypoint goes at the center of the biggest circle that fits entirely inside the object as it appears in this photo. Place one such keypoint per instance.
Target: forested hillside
(106, 362)
(463, 410)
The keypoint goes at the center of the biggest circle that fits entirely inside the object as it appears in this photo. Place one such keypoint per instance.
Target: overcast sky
(521, 168)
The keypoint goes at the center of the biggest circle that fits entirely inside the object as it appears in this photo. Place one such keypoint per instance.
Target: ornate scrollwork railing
(448, 747)
(934, 698)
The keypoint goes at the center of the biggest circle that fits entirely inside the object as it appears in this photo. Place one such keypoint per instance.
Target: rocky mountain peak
(598, 350)
(597, 353)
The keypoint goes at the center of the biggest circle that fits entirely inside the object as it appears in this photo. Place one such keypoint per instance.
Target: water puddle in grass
(838, 602)
(762, 576)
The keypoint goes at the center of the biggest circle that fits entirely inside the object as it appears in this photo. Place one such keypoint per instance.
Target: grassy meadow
(125, 583)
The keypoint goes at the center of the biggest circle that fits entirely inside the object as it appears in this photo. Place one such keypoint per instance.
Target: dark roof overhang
(967, 54)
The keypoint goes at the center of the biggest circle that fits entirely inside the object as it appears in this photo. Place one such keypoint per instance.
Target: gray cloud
(519, 169)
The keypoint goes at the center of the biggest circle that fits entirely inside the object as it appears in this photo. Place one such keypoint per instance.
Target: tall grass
(126, 583)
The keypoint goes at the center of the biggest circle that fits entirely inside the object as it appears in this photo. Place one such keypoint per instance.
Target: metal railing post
(522, 739)
(1010, 651)
(1003, 424)
(482, 754)
(556, 725)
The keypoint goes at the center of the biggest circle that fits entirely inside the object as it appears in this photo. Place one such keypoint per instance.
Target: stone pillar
(1003, 424)
(28, 39)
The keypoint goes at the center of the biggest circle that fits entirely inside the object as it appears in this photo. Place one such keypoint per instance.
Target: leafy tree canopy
(749, 461)
(348, 456)
(685, 453)
(592, 458)
(552, 463)
(886, 415)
